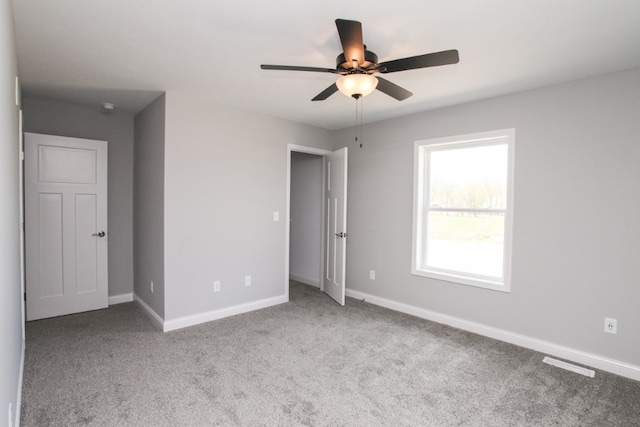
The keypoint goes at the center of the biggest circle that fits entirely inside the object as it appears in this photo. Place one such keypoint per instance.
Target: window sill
(463, 280)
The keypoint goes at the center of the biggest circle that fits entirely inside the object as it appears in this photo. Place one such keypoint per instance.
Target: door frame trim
(319, 152)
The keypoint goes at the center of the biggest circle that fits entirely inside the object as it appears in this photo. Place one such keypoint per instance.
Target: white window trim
(418, 192)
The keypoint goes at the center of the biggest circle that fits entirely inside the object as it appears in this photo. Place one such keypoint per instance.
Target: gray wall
(11, 323)
(577, 204)
(225, 176)
(65, 119)
(149, 205)
(306, 218)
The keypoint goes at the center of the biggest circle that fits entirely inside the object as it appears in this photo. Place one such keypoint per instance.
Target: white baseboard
(304, 279)
(155, 317)
(17, 412)
(119, 299)
(196, 319)
(593, 360)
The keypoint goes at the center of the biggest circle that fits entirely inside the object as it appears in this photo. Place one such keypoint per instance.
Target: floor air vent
(569, 367)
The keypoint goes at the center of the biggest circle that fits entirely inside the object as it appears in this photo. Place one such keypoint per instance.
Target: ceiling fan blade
(350, 33)
(326, 93)
(392, 89)
(421, 61)
(297, 68)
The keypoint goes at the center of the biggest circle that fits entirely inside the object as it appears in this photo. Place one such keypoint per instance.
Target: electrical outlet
(247, 280)
(151, 286)
(610, 325)
(372, 274)
(276, 216)
(216, 286)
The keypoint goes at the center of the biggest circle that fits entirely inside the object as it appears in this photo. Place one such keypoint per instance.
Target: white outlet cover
(610, 325)
(247, 280)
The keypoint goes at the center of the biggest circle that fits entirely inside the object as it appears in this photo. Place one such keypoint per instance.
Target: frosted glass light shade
(356, 85)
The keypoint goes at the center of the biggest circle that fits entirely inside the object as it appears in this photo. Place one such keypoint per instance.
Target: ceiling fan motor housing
(370, 61)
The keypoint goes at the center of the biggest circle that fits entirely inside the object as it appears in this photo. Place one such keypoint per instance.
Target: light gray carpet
(309, 362)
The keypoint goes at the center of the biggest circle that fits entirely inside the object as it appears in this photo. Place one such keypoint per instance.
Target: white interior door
(65, 225)
(336, 225)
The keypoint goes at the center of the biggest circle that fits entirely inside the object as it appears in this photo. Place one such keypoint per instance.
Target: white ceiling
(128, 51)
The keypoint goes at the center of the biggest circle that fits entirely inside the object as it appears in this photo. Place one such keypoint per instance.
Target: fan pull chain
(361, 114)
(358, 137)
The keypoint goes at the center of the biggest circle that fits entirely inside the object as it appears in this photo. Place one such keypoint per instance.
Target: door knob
(100, 234)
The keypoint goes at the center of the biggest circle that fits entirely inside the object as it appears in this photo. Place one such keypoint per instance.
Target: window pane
(465, 242)
(463, 209)
(469, 177)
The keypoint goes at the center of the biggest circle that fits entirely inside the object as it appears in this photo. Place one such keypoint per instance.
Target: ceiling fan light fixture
(357, 85)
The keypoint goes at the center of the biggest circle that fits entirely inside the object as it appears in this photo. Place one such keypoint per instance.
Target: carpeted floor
(306, 363)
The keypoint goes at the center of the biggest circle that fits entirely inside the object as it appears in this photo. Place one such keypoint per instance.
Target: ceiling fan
(357, 65)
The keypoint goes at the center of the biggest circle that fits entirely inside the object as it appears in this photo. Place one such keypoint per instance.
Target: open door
(336, 225)
(66, 220)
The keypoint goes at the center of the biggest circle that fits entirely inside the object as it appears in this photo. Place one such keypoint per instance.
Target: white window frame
(420, 200)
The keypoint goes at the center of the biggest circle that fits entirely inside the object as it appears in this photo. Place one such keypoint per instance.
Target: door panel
(68, 165)
(50, 250)
(65, 213)
(336, 226)
(86, 243)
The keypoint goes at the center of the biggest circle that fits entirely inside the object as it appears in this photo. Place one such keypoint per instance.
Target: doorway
(311, 174)
(305, 218)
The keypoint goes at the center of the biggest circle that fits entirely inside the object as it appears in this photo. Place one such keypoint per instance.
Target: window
(463, 202)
